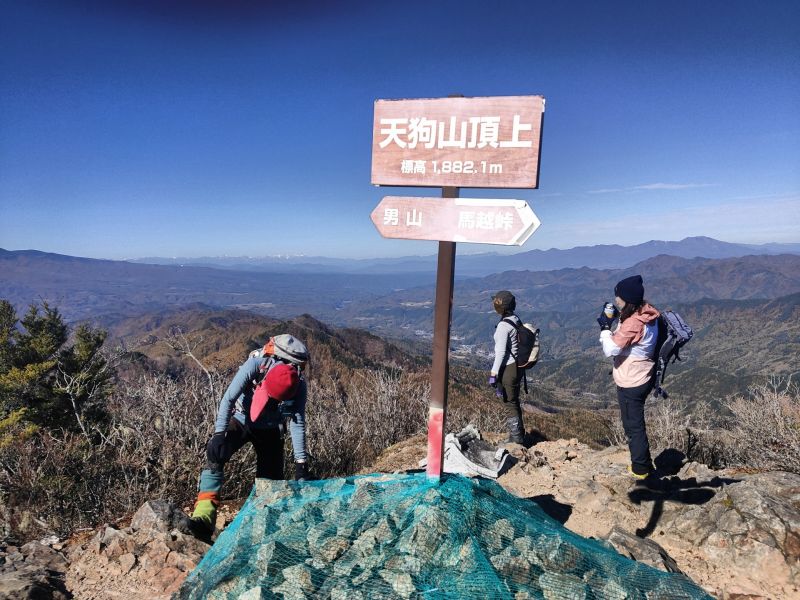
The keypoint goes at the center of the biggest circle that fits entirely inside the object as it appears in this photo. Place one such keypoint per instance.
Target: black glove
(215, 451)
(604, 320)
(301, 471)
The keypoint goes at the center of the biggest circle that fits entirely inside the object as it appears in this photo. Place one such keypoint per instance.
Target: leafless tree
(178, 342)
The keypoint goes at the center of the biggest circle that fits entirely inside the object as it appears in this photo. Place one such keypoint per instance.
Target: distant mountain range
(745, 310)
(596, 257)
(565, 302)
(85, 288)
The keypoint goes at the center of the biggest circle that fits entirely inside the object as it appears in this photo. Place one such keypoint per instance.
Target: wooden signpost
(505, 222)
(454, 142)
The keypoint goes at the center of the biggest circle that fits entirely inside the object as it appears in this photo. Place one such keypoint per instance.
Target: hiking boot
(201, 523)
(651, 484)
(516, 434)
(198, 528)
(514, 439)
(650, 480)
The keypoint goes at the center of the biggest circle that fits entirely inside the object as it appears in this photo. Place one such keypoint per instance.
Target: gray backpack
(673, 334)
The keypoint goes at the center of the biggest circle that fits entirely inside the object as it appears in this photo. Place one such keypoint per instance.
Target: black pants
(268, 444)
(510, 380)
(631, 407)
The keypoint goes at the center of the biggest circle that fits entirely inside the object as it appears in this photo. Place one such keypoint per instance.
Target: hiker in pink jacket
(632, 344)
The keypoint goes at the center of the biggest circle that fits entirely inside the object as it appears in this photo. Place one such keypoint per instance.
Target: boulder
(149, 559)
(751, 525)
(641, 550)
(157, 515)
(33, 571)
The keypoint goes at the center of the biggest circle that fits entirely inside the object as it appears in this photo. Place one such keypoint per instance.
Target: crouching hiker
(504, 376)
(268, 391)
(632, 344)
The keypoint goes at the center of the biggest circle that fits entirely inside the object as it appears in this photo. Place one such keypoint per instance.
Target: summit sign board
(480, 142)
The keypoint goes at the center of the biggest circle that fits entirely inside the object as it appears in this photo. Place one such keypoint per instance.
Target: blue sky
(205, 128)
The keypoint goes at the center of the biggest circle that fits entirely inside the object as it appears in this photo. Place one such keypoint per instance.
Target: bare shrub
(481, 408)
(348, 426)
(616, 436)
(667, 423)
(485, 413)
(587, 426)
(161, 428)
(53, 484)
(689, 428)
(765, 427)
(153, 447)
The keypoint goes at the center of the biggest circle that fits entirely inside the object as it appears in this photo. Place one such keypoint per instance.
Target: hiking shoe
(638, 476)
(198, 528)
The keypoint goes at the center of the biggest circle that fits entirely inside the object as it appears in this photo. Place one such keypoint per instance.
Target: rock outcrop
(752, 526)
(34, 570)
(734, 533)
(149, 559)
(641, 550)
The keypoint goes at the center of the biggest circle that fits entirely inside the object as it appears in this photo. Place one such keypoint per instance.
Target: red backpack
(279, 383)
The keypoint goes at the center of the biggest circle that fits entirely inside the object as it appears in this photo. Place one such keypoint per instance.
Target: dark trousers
(631, 407)
(268, 444)
(510, 380)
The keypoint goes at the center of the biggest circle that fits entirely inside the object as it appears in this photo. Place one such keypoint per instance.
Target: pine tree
(46, 378)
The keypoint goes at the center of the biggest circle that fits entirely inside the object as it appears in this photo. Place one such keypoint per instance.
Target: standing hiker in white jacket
(504, 376)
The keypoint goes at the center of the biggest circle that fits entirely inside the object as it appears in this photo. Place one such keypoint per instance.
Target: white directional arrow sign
(477, 221)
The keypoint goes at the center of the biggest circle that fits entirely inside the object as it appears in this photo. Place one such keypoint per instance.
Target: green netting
(407, 536)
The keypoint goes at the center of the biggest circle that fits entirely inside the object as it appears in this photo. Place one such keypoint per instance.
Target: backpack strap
(524, 371)
(516, 328)
(262, 371)
(658, 377)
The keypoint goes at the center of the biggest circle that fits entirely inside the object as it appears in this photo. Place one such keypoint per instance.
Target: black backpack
(673, 334)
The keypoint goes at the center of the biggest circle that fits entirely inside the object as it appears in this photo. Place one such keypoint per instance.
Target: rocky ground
(735, 534)
(148, 560)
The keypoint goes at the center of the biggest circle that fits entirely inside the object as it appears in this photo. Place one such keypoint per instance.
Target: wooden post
(509, 160)
(442, 314)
